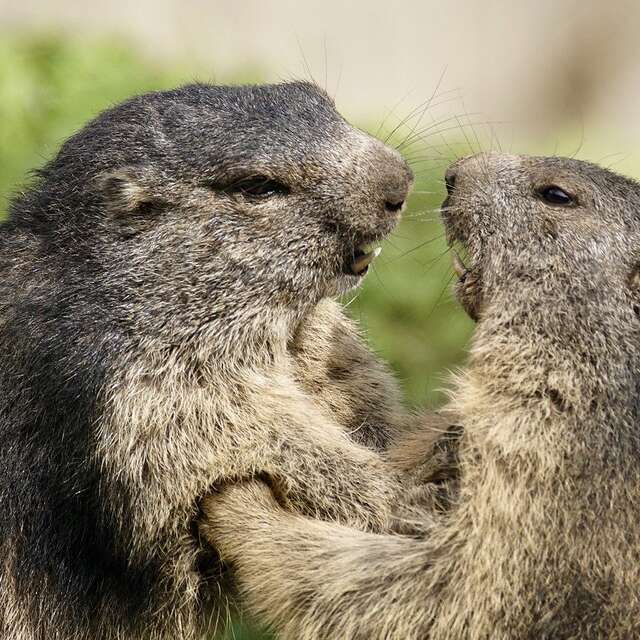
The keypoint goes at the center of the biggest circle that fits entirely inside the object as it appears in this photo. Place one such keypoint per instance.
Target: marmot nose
(394, 203)
(396, 190)
(391, 176)
(450, 179)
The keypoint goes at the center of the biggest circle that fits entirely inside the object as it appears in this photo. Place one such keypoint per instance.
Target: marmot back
(151, 281)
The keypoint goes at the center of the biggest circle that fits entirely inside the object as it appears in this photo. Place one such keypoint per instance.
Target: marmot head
(553, 275)
(219, 203)
(564, 227)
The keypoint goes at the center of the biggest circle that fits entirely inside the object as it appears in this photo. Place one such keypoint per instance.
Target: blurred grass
(50, 86)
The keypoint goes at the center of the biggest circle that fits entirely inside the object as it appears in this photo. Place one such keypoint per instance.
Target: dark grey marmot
(159, 287)
(543, 540)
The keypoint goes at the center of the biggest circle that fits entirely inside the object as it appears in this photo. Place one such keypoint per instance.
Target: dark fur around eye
(251, 187)
(554, 195)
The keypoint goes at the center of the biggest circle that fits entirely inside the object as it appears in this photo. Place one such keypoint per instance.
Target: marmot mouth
(468, 288)
(459, 267)
(357, 263)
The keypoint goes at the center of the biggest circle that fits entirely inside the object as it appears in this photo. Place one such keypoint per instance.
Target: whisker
(382, 284)
(582, 138)
(441, 101)
(326, 64)
(305, 62)
(423, 105)
(427, 105)
(473, 129)
(421, 246)
(419, 135)
(464, 133)
(439, 298)
(389, 112)
(355, 297)
(429, 263)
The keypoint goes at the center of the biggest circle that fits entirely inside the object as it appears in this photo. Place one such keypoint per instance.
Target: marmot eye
(556, 195)
(258, 187)
(251, 186)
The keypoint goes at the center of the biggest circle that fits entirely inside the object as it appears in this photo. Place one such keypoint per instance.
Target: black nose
(395, 180)
(393, 205)
(396, 190)
(450, 180)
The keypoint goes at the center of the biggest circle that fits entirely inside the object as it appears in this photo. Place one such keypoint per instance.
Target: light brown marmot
(543, 540)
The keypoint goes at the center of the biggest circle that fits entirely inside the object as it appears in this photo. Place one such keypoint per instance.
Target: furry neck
(555, 381)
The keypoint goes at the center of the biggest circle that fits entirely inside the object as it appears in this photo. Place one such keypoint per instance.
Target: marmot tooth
(359, 265)
(459, 266)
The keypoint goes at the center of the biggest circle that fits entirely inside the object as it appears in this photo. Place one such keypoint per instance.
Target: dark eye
(257, 187)
(556, 195)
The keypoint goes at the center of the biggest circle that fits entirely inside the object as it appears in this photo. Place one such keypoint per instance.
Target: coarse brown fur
(543, 541)
(164, 319)
(346, 379)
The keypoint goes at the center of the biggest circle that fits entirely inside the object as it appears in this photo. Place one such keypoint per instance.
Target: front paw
(356, 496)
(429, 463)
(230, 514)
(428, 452)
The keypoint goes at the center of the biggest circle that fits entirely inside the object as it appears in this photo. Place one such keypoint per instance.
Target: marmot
(161, 287)
(543, 540)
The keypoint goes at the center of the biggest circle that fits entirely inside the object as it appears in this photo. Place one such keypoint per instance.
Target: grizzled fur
(544, 539)
(159, 285)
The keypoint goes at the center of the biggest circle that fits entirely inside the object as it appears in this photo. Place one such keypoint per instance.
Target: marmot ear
(128, 193)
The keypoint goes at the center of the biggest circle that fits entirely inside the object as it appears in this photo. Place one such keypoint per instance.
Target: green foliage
(49, 87)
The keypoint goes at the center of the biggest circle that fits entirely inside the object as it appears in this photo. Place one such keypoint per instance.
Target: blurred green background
(50, 86)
